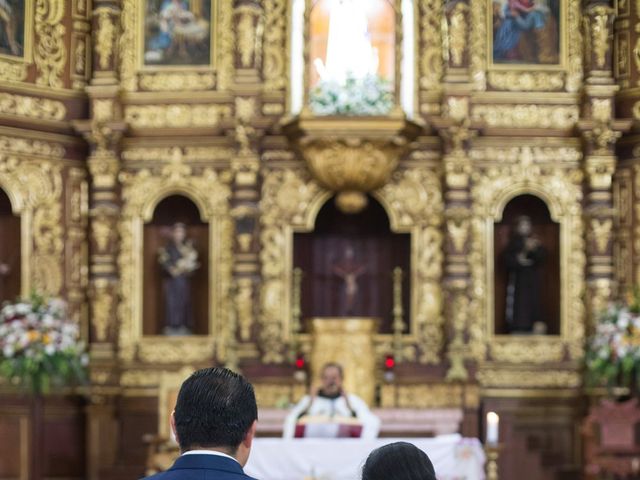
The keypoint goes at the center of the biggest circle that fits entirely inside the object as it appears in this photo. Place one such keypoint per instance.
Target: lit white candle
(493, 422)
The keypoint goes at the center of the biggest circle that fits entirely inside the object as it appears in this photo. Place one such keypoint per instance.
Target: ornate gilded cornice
(351, 156)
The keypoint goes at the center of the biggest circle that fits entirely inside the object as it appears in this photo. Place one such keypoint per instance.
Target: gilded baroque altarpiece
(213, 133)
(95, 134)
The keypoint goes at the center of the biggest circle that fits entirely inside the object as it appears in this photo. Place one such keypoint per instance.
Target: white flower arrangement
(40, 345)
(371, 95)
(613, 353)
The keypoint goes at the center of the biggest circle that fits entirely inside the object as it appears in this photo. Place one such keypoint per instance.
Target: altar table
(454, 457)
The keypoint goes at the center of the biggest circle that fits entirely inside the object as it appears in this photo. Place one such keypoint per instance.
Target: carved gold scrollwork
(430, 59)
(526, 81)
(531, 116)
(244, 307)
(527, 351)
(192, 81)
(165, 154)
(175, 116)
(35, 189)
(478, 39)
(287, 196)
(597, 25)
(32, 107)
(457, 348)
(275, 28)
(601, 233)
(403, 197)
(105, 37)
(50, 52)
(423, 396)
(529, 378)
(142, 190)
(458, 33)
(102, 303)
(249, 35)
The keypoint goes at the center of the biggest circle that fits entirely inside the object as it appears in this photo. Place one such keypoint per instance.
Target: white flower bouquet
(371, 95)
(40, 346)
(613, 352)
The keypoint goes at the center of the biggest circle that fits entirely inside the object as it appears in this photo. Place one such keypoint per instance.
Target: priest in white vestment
(330, 400)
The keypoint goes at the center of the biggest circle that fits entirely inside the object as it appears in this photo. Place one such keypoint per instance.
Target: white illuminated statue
(350, 53)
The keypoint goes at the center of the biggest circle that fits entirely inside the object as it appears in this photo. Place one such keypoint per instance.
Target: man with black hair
(214, 422)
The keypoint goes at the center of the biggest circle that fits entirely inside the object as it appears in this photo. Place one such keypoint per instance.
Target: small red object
(389, 362)
(300, 362)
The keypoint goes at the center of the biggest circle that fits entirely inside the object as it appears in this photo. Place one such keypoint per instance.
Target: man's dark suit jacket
(203, 467)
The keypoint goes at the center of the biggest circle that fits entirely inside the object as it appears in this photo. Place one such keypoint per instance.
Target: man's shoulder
(198, 474)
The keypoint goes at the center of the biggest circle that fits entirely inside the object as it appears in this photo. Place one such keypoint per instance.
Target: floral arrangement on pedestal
(40, 346)
(613, 351)
(370, 95)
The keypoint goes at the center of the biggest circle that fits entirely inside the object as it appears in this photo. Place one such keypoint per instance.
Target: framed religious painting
(16, 35)
(177, 33)
(527, 33)
(532, 45)
(171, 45)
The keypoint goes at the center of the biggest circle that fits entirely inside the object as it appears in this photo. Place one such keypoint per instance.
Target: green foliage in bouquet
(613, 351)
(371, 95)
(40, 346)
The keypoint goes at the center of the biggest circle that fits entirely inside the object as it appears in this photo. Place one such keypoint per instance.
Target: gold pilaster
(456, 131)
(600, 133)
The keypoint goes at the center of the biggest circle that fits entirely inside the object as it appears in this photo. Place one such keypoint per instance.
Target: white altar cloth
(453, 457)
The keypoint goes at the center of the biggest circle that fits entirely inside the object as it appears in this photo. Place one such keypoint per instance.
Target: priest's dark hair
(215, 409)
(398, 461)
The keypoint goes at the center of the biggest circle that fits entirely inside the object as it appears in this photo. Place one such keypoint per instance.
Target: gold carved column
(456, 133)
(103, 132)
(600, 131)
(248, 129)
(455, 130)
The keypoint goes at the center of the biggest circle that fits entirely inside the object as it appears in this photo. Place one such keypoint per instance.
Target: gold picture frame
(565, 76)
(217, 74)
(213, 29)
(562, 45)
(13, 68)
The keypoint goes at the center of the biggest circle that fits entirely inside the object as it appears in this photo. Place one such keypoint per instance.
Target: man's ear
(251, 433)
(172, 422)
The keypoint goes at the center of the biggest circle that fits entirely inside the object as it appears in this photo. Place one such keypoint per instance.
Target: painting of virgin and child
(177, 32)
(526, 32)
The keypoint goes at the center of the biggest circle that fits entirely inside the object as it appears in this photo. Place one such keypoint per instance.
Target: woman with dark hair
(398, 461)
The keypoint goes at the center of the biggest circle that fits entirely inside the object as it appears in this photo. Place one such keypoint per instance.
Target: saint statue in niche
(179, 260)
(524, 257)
(349, 271)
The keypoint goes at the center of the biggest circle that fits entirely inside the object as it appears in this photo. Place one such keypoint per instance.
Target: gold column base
(493, 454)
